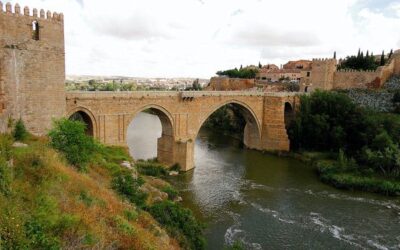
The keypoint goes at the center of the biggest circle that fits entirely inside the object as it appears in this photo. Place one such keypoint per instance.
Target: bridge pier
(184, 154)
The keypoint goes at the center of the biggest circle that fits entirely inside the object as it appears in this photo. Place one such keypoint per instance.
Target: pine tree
(259, 65)
(359, 53)
(367, 55)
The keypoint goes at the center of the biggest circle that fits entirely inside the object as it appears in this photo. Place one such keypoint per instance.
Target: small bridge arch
(85, 116)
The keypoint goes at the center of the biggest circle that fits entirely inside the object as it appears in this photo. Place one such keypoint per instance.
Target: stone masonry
(32, 67)
(182, 114)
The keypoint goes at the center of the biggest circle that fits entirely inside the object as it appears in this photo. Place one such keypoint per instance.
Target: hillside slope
(47, 204)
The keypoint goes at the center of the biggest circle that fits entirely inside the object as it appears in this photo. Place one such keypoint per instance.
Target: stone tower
(322, 74)
(32, 67)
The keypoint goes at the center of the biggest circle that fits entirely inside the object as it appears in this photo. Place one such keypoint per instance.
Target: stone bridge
(108, 115)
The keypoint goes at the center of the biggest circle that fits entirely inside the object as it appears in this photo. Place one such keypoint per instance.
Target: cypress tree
(334, 55)
(383, 58)
(259, 65)
(391, 53)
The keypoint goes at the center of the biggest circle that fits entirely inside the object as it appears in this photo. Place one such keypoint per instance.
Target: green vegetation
(362, 62)
(180, 223)
(47, 204)
(20, 133)
(227, 119)
(125, 184)
(151, 168)
(245, 73)
(69, 137)
(329, 121)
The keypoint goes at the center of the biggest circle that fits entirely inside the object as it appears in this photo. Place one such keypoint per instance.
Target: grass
(47, 204)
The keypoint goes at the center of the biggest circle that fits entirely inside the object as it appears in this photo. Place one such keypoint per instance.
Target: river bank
(268, 202)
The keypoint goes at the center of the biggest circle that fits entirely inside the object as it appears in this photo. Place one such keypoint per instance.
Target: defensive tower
(32, 67)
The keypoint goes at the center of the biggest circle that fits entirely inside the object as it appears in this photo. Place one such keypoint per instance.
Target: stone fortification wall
(346, 79)
(225, 83)
(325, 76)
(32, 67)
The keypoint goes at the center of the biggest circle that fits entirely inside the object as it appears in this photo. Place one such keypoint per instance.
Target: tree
(69, 137)
(382, 58)
(20, 132)
(391, 53)
(259, 65)
(92, 82)
(334, 55)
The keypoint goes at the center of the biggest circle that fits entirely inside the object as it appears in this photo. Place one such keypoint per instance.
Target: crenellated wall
(32, 67)
(325, 76)
(345, 79)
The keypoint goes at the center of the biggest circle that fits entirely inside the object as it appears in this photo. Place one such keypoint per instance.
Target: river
(270, 202)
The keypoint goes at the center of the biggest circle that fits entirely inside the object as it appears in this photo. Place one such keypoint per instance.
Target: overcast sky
(195, 38)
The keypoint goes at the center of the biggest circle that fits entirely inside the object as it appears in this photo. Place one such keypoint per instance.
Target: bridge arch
(289, 114)
(252, 129)
(86, 116)
(165, 143)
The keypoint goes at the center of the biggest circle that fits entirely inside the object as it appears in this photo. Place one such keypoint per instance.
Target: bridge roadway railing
(182, 94)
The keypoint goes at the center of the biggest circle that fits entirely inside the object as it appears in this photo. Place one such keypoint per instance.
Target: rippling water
(267, 202)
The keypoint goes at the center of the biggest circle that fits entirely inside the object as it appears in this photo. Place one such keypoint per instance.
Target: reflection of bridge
(108, 115)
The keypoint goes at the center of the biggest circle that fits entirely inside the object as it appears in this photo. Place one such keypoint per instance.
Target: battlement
(41, 15)
(354, 70)
(323, 60)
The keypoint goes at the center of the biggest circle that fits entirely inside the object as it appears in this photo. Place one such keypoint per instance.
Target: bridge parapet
(181, 94)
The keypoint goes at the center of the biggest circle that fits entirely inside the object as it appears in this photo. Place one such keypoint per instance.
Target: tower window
(35, 30)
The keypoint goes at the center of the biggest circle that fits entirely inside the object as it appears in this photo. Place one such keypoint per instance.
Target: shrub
(151, 169)
(179, 221)
(69, 137)
(20, 132)
(5, 146)
(172, 192)
(127, 186)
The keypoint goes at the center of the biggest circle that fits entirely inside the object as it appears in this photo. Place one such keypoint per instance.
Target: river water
(269, 202)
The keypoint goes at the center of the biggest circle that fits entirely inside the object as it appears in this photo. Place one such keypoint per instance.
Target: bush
(127, 186)
(172, 192)
(151, 169)
(20, 132)
(69, 137)
(179, 221)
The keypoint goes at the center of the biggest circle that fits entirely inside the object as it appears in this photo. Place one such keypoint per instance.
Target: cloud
(196, 38)
(266, 36)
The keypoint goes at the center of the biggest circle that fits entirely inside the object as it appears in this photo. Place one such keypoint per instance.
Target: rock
(173, 173)
(157, 199)
(19, 145)
(178, 199)
(126, 164)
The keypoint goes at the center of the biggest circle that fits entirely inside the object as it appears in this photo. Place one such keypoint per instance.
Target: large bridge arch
(165, 143)
(86, 116)
(252, 130)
